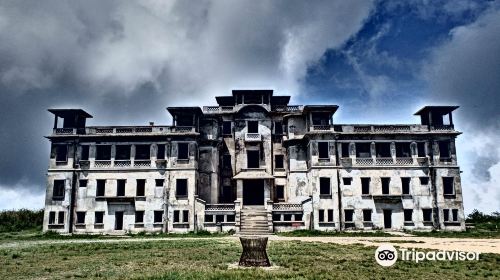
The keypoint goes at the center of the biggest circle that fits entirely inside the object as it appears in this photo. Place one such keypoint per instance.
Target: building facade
(253, 164)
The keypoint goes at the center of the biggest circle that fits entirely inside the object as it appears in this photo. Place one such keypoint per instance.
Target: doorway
(119, 220)
(253, 192)
(387, 218)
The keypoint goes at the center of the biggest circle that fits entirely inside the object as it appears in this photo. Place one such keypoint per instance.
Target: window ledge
(183, 197)
(325, 196)
(450, 196)
(409, 223)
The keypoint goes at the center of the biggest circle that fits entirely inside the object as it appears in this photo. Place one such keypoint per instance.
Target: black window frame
(444, 148)
(363, 150)
(160, 151)
(103, 152)
(182, 151)
(348, 213)
(365, 185)
(158, 216)
(321, 215)
(367, 213)
(52, 217)
(185, 216)
(347, 181)
(405, 185)
(421, 149)
(323, 150)
(100, 187)
(177, 214)
(408, 215)
(80, 217)
(143, 152)
(181, 187)
(424, 180)
(121, 187)
(99, 217)
(324, 183)
(454, 214)
(278, 128)
(427, 215)
(140, 189)
(227, 128)
(345, 150)
(159, 182)
(279, 161)
(83, 183)
(253, 158)
(139, 217)
(58, 189)
(386, 185)
(60, 217)
(61, 152)
(252, 126)
(329, 215)
(448, 185)
(122, 153)
(85, 152)
(446, 215)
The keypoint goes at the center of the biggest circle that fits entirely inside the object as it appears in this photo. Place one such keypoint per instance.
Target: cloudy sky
(125, 61)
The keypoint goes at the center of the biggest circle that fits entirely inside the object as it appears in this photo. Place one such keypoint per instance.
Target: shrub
(16, 220)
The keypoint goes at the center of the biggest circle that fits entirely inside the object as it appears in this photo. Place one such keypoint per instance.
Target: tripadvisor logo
(387, 255)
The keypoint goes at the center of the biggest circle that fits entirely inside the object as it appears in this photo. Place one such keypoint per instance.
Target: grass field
(209, 259)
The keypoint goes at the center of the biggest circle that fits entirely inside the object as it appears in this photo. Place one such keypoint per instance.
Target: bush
(16, 220)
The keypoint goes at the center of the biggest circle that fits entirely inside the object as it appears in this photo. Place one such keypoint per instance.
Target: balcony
(217, 109)
(123, 163)
(404, 161)
(364, 161)
(102, 163)
(142, 163)
(444, 127)
(64, 131)
(322, 128)
(287, 108)
(253, 137)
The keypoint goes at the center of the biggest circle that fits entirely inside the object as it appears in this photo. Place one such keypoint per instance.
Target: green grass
(37, 234)
(306, 233)
(462, 234)
(209, 259)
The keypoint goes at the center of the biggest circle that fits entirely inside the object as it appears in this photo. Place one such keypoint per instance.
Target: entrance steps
(254, 221)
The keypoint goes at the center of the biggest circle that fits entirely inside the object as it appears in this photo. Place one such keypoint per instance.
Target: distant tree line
(15, 220)
(484, 221)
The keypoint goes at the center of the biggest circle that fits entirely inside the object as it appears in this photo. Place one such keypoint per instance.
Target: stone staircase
(254, 221)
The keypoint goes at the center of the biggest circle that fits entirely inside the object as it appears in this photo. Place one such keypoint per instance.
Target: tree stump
(254, 251)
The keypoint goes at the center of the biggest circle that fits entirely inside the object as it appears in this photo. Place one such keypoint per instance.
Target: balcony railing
(287, 207)
(123, 163)
(443, 127)
(253, 137)
(102, 163)
(384, 161)
(404, 161)
(322, 127)
(287, 108)
(142, 163)
(364, 161)
(64, 130)
(217, 109)
(220, 207)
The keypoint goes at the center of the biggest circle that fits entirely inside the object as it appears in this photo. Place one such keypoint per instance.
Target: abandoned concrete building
(253, 164)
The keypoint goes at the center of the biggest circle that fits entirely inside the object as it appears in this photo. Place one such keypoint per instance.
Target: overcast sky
(125, 61)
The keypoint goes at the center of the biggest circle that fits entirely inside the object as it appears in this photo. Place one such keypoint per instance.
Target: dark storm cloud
(124, 62)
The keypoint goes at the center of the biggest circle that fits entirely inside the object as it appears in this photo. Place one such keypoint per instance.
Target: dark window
(159, 182)
(103, 152)
(421, 149)
(58, 191)
(348, 215)
(448, 188)
(80, 217)
(321, 215)
(181, 187)
(405, 184)
(367, 215)
(209, 218)
(287, 217)
(158, 216)
(176, 216)
(85, 152)
(142, 152)
(61, 153)
(280, 192)
(454, 212)
(408, 213)
(185, 216)
(120, 187)
(427, 215)
(319, 118)
(365, 185)
(60, 219)
(298, 217)
(52, 217)
(230, 218)
(139, 216)
(383, 149)
(330, 215)
(160, 153)
(323, 150)
(122, 152)
(424, 180)
(278, 128)
(253, 158)
(253, 98)
(141, 187)
(403, 150)
(219, 218)
(278, 161)
(101, 187)
(324, 186)
(363, 150)
(253, 127)
(347, 181)
(444, 149)
(226, 128)
(446, 215)
(226, 161)
(99, 217)
(183, 151)
(385, 185)
(83, 183)
(345, 149)
(276, 217)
